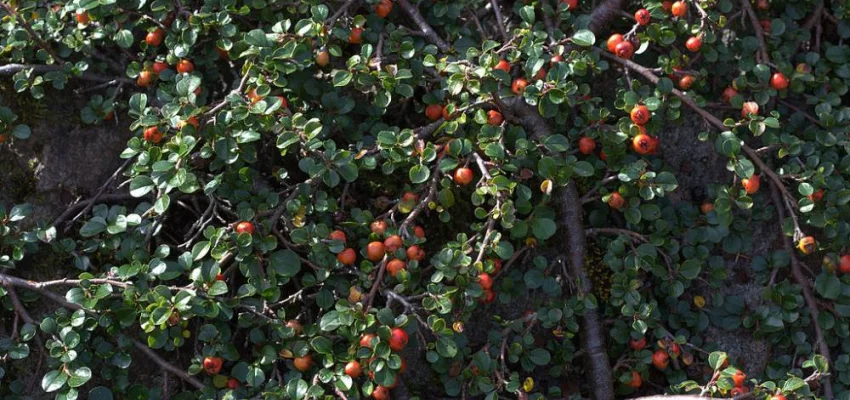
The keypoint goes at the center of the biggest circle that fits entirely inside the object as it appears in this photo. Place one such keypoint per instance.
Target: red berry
(383, 8)
(485, 280)
(355, 37)
(152, 135)
(679, 9)
(738, 378)
(245, 227)
(613, 41)
(347, 257)
(844, 264)
(638, 345)
(751, 184)
(393, 243)
(778, 81)
(212, 365)
(728, 94)
(586, 145)
(748, 108)
(145, 78)
(398, 339)
(82, 17)
(159, 66)
(463, 176)
(660, 359)
(494, 118)
(185, 66)
(434, 112)
(518, 87)
(636, 381)
(643, 144)
(155, 38)
(395, 266)
(503, 65)
(640, 115)
(686, 82)
(625, 50)
(571, 4)
(642, 16)
(616, 201)
(693, 44)
(353, 369)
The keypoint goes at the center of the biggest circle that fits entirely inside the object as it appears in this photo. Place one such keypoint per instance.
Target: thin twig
(805, 286)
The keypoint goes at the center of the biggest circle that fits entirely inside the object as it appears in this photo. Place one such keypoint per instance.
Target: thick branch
(593, 336)
(425, 29)
(570, 214)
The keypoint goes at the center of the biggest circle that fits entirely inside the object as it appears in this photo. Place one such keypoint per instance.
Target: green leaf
(419, 173)
(543, 228)
(330, 321)
(22, 132)
(828, 286)
(583, 168)
(255, 377)
(93, 227)
(100, 393)
(716, 359)
(446, 347)
(285, 263)
(141, 186)
(539, 356)
(124, 38)
(79, 377)
(584, 37)
(690, 269)
(217, 288)
(53, 381)
(20, 211)
(342, 78)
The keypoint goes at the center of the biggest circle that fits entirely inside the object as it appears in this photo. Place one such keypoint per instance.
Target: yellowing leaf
(457, 326)
(528, 384)
(546, 186)
(699, 301)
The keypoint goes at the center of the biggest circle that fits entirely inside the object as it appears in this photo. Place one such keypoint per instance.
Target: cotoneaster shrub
(318, 195)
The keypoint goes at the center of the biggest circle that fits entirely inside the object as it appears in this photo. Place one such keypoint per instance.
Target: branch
(815, 17)
(425, 29)
(811, 303)
(103, 188)
(10, 69)
(382, 268)
(11, 281)
(500, 23)
(41, 43)
(166, 366)
(106, 198)
(332, 20)
(754, 21)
